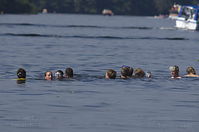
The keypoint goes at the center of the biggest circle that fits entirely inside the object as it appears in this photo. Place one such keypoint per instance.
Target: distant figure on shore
(191, 72)
(110, 74)
(59, 74)
(48, 75)
(107, 12)
(174, 71)
(126, 72)
(69, 73)
(44, 11)
(21, 74)
(139, 73)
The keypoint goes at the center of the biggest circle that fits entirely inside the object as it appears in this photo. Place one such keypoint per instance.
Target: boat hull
(189, 24)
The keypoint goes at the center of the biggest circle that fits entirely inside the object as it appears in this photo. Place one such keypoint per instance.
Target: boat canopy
(188, 11)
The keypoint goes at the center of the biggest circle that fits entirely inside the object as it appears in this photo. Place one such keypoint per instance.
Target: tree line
(119, 7)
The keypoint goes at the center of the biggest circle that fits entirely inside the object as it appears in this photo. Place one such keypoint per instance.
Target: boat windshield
(189, 12)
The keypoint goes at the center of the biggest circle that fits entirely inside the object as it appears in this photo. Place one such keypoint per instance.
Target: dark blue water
(92, 44)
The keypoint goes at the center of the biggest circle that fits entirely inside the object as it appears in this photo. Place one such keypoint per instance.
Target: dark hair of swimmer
(21, 73)
(69, 72)
(191, 70)
(139, 73)
(110, 74)
(126, 71)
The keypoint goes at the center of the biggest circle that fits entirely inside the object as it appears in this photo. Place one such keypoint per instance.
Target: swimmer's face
(58, 75)
(174, 74)
(49, 76)
(106, 76)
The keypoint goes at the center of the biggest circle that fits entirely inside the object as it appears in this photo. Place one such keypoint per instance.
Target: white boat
(188, 18)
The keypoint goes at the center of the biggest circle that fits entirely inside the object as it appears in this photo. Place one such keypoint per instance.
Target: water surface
(91, 44)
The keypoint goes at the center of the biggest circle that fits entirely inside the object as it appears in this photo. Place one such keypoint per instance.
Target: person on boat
(59, 74)
(48, 75)
(139, 73)
(110, 74)
(174, 71)
(126, 72)
(21, 74)
(191, 72)
(69, 73)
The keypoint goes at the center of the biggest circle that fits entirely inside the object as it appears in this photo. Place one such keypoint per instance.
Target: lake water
(91, 44)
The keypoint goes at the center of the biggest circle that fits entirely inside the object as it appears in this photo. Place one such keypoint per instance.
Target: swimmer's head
(174, 68)
(59, 74)
(148, 74)
(48, 75)
(191, 70)
(139, 73)
(174, 71)
(126, 71)
(21, 73)
(110, 74)
(69, 72)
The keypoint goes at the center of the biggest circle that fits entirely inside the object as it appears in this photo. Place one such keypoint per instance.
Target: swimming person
(59, 74)
(110, 74)
(21, 74)
(191, 72)
(48, 75)
(139, 73)
(69, 73)
(126, 72)
(148, 74)
(174, 71)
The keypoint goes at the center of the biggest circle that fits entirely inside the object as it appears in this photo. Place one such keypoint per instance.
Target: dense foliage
(120, 7)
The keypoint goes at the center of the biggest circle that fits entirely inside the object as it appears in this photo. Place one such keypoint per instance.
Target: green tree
(103, 4)
(143, 7)
(84, 6)
(163, 6)
(121, 7)
(16, 6)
